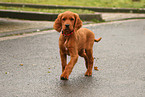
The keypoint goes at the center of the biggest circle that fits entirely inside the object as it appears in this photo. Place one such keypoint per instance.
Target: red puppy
(74, 41)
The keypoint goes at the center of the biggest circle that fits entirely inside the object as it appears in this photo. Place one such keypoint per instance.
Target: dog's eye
(63, 19)
(71, 19)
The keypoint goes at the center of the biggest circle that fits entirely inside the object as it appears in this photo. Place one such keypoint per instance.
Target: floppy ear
(57, 24)
(78, 22)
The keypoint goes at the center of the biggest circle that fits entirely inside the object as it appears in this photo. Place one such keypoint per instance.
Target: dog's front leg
(63, 59)
(68, 68)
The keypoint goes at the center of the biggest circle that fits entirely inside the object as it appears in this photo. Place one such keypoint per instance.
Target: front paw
(88, 73)
(64, 76)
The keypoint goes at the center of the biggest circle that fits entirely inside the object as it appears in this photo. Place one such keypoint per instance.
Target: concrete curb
(27, 15)
(42, 16)
(97, 9)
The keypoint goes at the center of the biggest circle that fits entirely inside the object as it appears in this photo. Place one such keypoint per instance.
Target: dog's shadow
(76, 86)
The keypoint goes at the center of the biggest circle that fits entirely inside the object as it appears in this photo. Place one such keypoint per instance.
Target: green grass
(79, 11)
(92, 3)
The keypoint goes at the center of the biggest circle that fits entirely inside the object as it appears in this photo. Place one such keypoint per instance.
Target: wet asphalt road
(120, 56)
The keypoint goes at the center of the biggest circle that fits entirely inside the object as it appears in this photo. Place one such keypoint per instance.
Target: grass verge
(91, 3)
(79, 11)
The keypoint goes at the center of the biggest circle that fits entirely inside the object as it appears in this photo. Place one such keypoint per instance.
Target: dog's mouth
(67, 29)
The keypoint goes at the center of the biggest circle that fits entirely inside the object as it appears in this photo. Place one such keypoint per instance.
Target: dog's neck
(67, 34)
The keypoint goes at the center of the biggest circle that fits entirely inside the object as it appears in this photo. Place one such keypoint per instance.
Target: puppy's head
(67, 21)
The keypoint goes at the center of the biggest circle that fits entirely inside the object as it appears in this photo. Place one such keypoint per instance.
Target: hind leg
(89, 53)
(82, 53)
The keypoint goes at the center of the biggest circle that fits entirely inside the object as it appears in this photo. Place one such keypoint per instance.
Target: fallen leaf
(21, 64)
(96, 68)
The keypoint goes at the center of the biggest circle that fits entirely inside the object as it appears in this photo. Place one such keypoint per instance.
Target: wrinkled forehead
(68, 15)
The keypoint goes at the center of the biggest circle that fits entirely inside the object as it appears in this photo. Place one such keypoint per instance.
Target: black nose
(67, 25)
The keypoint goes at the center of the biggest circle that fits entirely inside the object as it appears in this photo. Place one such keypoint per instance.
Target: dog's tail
(97, 40)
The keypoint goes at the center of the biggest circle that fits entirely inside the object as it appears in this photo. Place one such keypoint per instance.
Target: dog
(74, 41)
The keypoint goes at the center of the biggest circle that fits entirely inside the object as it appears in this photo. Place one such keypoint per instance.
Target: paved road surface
(120, 58)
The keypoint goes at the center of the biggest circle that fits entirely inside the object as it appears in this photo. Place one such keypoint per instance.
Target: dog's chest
(66, 47)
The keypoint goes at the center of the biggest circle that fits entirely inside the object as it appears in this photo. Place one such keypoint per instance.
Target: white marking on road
(26, 35)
